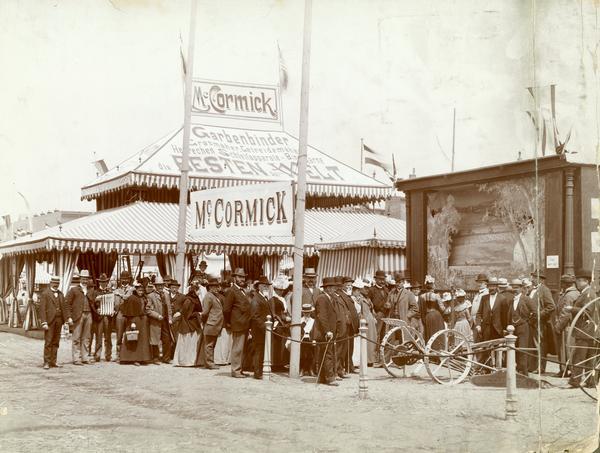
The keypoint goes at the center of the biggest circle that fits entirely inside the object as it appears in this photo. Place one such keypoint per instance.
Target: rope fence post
(363, 389)
(267, 356)
(511, 375)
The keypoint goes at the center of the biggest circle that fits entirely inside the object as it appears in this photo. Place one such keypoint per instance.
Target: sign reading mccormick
(235, 100)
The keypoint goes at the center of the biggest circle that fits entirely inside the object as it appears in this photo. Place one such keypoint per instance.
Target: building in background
(10, 229)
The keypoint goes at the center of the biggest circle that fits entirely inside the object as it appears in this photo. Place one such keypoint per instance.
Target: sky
(86, 80)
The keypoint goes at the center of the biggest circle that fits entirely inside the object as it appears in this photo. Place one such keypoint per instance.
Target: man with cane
(325, 326)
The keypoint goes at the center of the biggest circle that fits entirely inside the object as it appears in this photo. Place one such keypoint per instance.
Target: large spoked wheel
(448, 357)
(402, 345)
(583, 348)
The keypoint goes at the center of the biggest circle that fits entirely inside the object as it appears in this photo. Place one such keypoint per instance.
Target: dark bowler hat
(535, 273)
(379, 274)
(240, 272)
(125, 274)
(415, 285)
(584, 273)
(568, 278)
(339, 280)
(263, 280)
(202, 263)
(310, 272)
(212, 281)
(167, 279)
(482, 278)
(174, 282)
(76, 279)
(329, 281)
(103, 278)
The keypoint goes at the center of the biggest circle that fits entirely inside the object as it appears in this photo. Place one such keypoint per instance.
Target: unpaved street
(111, 407)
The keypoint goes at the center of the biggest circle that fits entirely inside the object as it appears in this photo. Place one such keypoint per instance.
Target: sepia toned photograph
(300, 226)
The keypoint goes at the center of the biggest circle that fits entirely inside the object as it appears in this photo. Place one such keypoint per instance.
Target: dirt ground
(122, 408)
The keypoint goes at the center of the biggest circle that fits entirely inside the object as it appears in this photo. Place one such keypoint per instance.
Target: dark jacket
(237, 309)
(351, 310)
(50, 305)
(190, 314)
(544, 302)
(260, 309)
(75, 301)
(378, 296)
(525, 310)
(309, 297)
(325, 317)
(585, 329)
(212, 314)
(491, 319)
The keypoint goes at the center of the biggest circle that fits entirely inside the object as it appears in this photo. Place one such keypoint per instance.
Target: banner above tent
(222, 157)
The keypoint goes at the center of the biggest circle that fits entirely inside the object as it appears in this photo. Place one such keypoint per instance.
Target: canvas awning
(222, 157)
(146, 227)
(387, 232)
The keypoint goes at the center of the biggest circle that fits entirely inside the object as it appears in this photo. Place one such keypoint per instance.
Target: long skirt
(462, 326)
(434, 322)
(186, 350)
(280, 354)
(136, 351)
(223, 348)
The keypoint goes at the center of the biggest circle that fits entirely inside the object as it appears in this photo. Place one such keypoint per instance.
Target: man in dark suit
(237, 312)
(378, 294)
(261, 308)
(212, 316)
(520, 309)
(325, 327)
(585, 334)
(352, 323)
(309, 290)
(341, 331)
(490, 315)
(52, 311)
(544, 303)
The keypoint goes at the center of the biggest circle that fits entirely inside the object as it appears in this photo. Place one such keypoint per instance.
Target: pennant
(376, 163)
(369, 150)
(283, 72)
(183, 64)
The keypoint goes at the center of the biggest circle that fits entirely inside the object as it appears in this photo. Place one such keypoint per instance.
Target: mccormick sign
(252, 210)
(235, 100)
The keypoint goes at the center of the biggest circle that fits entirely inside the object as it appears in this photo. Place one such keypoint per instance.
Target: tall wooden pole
(453, 136)
(300, 197)
(185, 161)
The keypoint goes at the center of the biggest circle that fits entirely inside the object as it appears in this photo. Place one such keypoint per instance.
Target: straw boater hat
(307, 308)
(502, 282)
(460, 293)
(309, 272)
(516, 283)
(54, 279)
(493, 281)
(84, 273)
(358, 283)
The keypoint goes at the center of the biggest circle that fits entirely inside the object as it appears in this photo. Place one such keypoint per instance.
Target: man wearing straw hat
(325, 327)
(52, 317)
(237, 312)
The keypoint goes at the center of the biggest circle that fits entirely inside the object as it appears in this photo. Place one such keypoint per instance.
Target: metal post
(267, 357)
(185, 160)
(363, 388)
(511, 375)
(300, 197)
(499, 358)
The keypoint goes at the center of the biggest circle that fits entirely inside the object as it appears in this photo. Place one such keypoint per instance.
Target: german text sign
(253, 210)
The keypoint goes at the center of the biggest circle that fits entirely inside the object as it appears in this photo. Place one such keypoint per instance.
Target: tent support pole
(185, 162)
(300, 196)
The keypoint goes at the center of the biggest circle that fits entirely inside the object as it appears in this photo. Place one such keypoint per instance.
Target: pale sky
(84, 80)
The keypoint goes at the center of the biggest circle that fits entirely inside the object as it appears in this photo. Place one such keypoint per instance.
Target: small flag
(283, 72)
(393, 166)
(7, 221)
(101, 167)
(376, 163)
(369, 150)
(183, 65)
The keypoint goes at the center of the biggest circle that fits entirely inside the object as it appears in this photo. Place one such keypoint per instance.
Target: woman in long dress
(189, 328)
(364, 308)
(462, 315)
(281, 329)
(432, 308)
(133, 310)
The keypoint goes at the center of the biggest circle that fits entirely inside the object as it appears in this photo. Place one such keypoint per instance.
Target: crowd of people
(155, 323)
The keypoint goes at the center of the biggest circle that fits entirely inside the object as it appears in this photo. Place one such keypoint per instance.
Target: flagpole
(185, 161)
(300, 196)
(453, 135)
(362, 151)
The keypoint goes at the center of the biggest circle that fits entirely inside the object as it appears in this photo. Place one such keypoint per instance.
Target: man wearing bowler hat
(325, 328)
(482, 281)
(544, 303)
(122, 293)
(520, 310)
(79, 315)
(378, 294)
(212, 316)
(237, 313)
(52, 316)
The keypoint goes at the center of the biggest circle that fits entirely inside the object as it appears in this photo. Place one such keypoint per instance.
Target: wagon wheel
(448, 357)
(584, 333)
(402, 345)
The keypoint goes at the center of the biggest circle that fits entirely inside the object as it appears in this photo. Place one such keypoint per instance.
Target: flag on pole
(183, 64)
(393, 166)
(101, 167)
(377, 163)
(369, 150)
(283, 72)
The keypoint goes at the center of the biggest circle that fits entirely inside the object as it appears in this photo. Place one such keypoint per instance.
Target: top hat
(240, 272)
(103, 278)
(125, 274)
(84, 273)
(584, 273)
(309, 272)
(482, 278)
(568, 278)
(379, 274)
(263, 280)
(212, 281)
(329, 281)
(541, 273)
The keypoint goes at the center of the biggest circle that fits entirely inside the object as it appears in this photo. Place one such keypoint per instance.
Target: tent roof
(145, 227)
(222, 157)
(387, 232)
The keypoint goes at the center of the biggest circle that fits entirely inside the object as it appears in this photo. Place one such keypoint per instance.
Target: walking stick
(322, 361)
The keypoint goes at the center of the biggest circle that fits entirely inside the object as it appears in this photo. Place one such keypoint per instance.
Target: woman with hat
(189, 329)
(364, 308)
(135, 350)
(280, 356)
(462, 314)
(431, 313)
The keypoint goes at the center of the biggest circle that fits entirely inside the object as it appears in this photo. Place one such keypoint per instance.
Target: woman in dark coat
(433, 321)
(190, 330)
(133, 310)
